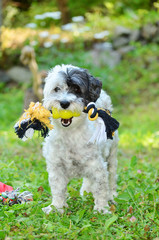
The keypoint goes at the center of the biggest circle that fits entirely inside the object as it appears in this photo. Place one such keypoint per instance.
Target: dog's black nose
(64, 104)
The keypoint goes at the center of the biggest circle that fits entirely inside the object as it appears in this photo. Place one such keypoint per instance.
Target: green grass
(134, 91)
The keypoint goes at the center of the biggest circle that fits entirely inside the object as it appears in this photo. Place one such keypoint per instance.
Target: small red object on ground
(4, 187)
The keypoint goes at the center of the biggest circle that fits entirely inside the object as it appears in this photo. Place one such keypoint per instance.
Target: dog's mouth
(66, 122)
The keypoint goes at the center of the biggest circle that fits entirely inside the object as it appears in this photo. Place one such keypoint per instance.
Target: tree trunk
(63, 7)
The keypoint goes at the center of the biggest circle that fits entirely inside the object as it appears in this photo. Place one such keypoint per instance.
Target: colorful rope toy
(111, 124)
(10, 196)
(14, 197)
(36, 117)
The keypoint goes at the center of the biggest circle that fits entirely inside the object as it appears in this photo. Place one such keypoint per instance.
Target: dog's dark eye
(77, 90)
(57, 89)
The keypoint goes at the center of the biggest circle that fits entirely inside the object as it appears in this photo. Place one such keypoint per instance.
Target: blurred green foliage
(14, 16)
(120, 7)
(81, 7)
(134, 80)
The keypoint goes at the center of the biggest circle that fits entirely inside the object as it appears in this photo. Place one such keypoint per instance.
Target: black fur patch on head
(84, 85)
(95, 87)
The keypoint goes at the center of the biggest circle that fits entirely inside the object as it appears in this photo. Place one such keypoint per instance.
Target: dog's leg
(58, 184)
(100, 189)
(112, 169)
(86, 186)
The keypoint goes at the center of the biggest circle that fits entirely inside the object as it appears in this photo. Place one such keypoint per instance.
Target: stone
(120, 41)
(105, 58)
(4, 77)
(20, 74)
(126, 49)
(148, 31)
(135, 35)
(104, 46)
(121, 31)
(101, 35)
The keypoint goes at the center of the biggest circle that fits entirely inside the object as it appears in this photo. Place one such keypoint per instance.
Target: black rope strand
(36, 125)
(111, 124)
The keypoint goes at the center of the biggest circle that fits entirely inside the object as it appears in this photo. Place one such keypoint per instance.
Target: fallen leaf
(146, 228)
(40, 189)
(69, 213)
(93, 219)
(25, 214)
(130, 210)
(112, 208)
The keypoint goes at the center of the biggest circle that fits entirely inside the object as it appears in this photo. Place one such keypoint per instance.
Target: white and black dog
(67, 151)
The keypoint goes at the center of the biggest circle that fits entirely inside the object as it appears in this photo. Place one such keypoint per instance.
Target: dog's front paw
(101, 209)
(58, 207)
(47, 209)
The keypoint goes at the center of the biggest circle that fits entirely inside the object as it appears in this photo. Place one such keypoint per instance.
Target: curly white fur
(68, 153)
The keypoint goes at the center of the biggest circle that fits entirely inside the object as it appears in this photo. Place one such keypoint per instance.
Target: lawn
(134, 90)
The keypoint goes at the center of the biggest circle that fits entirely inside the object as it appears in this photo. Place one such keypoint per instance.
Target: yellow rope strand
(37, 111)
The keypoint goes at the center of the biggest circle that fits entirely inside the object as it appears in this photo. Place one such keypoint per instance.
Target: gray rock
(121, 31)
(135, 35)
(113, 58)
(120, 41)
(4, 77)
(20, 74)
(105, 58)
(126, 49)
(103, 46)
(148, 31)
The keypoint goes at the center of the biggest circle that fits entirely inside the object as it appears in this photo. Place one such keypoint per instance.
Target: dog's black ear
(94, 88)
